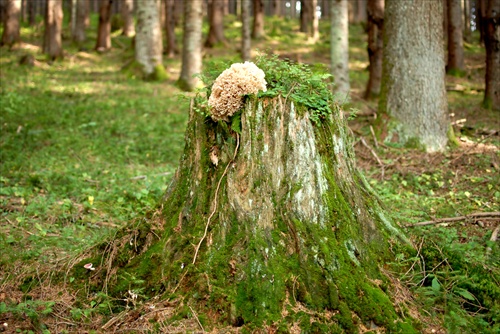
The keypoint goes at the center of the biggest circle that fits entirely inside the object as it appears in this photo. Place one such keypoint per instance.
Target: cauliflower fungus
(230, 87)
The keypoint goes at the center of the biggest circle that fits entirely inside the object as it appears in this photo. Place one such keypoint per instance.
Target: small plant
(306, 86)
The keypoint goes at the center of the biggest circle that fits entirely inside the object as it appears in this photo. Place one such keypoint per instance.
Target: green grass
(85, 148)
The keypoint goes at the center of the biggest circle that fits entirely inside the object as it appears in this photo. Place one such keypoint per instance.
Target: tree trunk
(82, 13)
(216, 30)
(467, 20)
(481, 6)
(309, 21)
(492, 43)
(191, 51)
(339, 48)
(104, 29)
(148, 40)
(305, 16)
(11, 24)
(246, 53)
(361, 11)
(275, 8)
(31, 12)
(128, 18)
(291, 234)
(413, 61)
(258, 19)
(52, 43)
(171, 49)
(375, 28)
(455, 38)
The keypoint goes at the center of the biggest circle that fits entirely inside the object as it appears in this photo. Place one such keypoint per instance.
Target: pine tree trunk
(455, 38)
(11, 24)
(216, 30)
(191, 50)
(128, 18)
(375, 27)
(245, 30)
(492, 43)
(171, 49)
(148, 40)
(258, 19)
(52, 43)
(413, 61)
(104, 29)
(82, 12)
(339, 48)
(283, 220)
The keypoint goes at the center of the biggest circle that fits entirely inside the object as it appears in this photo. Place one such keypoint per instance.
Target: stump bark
(269, 225)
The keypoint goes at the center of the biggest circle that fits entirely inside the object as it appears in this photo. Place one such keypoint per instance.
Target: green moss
(452, 139)
(159, 73)
(456, 72)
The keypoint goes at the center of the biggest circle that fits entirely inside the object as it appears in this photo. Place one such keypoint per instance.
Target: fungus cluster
(230, 87)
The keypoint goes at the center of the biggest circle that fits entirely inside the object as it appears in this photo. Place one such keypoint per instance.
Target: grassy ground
(86, 148)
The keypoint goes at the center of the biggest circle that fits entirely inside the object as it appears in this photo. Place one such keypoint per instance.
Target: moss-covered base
(294, 235)
(134, 69)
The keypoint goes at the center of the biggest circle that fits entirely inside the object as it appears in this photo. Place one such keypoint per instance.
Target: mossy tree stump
(294, 234)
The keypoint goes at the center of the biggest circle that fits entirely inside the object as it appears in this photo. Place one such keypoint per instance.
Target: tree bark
(246, 53)
(11, 24)
(492, 43)
(467, 20)
(191, 51)
(455, 38)
(294, 224)
(305, 16)
(148, 40)
(82, 13)
(128, 18)
(31, 12)
(375, 28)
(339, 48)
(171, 49)
(481, 6)
(216, 29)
(258, 19)
(52, 43)
(413, 61)
(104, 29)
(361, 11)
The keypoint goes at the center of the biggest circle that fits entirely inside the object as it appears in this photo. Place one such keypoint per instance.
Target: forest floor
(86, 147)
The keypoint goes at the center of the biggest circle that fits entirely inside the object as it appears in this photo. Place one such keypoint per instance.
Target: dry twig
(473, 216)
(215, 197)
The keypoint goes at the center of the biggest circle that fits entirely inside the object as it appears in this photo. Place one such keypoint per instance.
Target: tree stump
(266, 223)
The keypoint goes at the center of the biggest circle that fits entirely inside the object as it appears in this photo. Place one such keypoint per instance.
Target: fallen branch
(473, 216)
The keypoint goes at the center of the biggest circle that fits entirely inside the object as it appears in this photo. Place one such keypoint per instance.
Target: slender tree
(492, 43)
(339, 46)
(148, 40)
(216, 29)
(31, 12)
(82, 13)
(245, 30)
(375, 25)
(171, 48)
(305, 16)
(413, 62)
(258, 19)
(127, 10)
(104, 28)
(11, 25)
(309, 21)
(191, 50)
(455, 38)
(52, 43)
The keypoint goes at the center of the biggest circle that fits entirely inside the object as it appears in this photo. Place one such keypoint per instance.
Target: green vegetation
(86, 148)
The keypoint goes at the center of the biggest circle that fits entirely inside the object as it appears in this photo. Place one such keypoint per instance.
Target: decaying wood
(472, 216)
